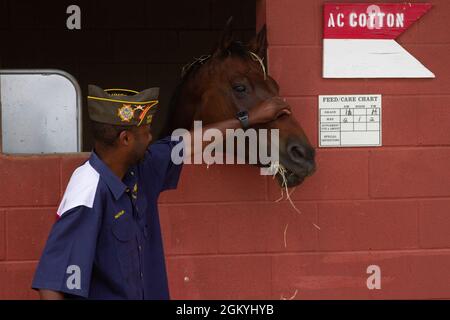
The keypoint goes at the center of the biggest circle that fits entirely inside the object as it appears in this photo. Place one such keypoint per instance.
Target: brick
(68, 166)
(24, 48)
(218, 183)
(197, 43)
(298, 71)
(368, 225)
(416, 120)
(434, 57)
(190, 229)
(404, 275)
(293, 22)
(2, 236)
(27, 232)
(16, 278)
(434, 223)
(404, 172)
(429, 275)
(54, 15)
(411, 35)
(173, 14)
(101, 14)
(433, 120)
(305, 111)
(28, 14)
(235, 228)
(29, 181)
(158, 47)
(399, 120)
(331, 180)
(22, 13)
(314, 276)
(243, 13)
(432, 24)
(164, 75)
(68, 46)
(115, 75)
(220, 277)
(260, 228)
(4, 15)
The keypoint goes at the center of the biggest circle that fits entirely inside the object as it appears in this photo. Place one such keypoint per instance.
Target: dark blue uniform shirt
(107, 241)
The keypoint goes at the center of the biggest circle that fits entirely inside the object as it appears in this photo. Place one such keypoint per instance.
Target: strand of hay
(291, 298)
(276, 167)
(285, 230)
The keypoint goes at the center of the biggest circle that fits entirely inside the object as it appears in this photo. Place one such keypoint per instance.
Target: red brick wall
(166, 34)
(387, 206)
(223, 230)
(31, 188)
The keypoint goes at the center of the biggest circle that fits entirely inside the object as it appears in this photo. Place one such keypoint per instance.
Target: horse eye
(239, 88)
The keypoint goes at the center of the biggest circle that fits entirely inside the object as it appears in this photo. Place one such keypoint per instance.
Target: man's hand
(268, 110)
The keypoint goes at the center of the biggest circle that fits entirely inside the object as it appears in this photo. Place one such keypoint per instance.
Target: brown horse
(214, 87)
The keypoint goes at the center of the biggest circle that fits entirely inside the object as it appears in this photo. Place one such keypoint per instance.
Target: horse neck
(181, 111)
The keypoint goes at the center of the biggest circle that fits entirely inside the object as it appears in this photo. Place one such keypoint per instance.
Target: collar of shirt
(113, 182)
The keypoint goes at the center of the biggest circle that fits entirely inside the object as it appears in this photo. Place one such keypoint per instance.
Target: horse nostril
(296, 152)
(301, 155)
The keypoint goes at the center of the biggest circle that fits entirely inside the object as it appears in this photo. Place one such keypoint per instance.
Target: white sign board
(350, 120)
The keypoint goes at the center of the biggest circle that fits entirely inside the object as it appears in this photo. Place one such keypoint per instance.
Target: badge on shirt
(119, 214)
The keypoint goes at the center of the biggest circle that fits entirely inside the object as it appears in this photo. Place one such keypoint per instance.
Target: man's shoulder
(81, 189)
(164, 145)
(168, 140)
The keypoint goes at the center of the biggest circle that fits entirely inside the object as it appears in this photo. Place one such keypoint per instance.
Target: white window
(40, 112)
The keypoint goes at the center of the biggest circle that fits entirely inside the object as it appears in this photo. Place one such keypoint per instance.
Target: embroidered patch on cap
(126, 113)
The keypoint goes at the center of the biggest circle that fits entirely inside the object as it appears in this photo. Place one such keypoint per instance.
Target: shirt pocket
(122, 229)
(126, 249)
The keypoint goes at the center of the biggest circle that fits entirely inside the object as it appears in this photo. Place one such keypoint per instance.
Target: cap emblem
(126, 113)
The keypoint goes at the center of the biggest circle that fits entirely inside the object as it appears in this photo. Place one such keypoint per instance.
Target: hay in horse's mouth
(288, 178)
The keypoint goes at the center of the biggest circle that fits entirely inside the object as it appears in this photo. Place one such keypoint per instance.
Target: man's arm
(71, 242)
(266, 111)
(50, 295)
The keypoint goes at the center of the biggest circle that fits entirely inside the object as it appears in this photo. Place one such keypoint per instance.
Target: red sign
(359, 40)
(370, 21)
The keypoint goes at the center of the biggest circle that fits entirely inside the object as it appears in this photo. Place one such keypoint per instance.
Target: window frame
(78, 103)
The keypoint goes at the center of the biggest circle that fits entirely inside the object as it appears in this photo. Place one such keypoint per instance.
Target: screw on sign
(359, 40)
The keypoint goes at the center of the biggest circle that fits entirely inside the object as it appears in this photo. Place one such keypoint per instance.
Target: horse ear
(258, 44)
(226, 38)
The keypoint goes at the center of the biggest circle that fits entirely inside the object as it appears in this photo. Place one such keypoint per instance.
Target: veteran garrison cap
(122, 107)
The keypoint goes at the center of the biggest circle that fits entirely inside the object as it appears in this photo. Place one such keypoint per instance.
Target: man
(106, 243)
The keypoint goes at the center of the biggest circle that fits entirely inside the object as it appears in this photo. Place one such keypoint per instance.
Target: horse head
(232, 78)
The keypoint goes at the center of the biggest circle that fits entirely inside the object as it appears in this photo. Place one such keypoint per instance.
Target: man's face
(142, 139)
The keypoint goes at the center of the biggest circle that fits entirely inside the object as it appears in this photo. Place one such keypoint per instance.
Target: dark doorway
(134, 44)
